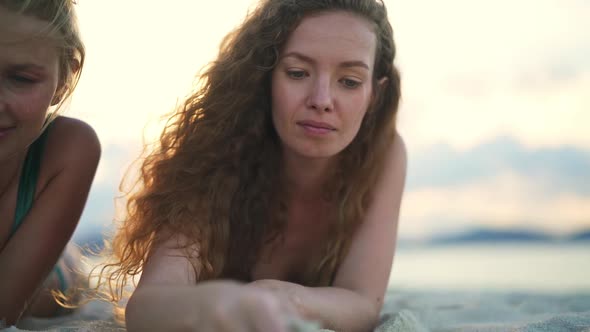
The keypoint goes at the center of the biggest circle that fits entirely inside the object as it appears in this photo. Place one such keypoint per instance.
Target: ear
(75, 66)
(380, 84)
(56, 99)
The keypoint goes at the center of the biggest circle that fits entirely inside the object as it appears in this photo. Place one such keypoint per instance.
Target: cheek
(33, 104)
(282, 102)
(359, 106)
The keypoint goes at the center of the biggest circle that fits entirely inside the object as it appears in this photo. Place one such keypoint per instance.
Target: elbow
(12, 307)
(138, 315)
(362, 317)
(132, 311)
(9, 316)
(143, 313)
(373, 317)
(372, 311)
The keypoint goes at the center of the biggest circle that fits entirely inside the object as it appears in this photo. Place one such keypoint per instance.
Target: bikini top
(28, 180)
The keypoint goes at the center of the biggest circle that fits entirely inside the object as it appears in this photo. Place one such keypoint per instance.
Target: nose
(320, 96)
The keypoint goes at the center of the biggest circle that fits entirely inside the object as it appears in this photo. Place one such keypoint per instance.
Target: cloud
(555, 170)
(504, 200)
(475, 70)
(500, 183)
(472, 71)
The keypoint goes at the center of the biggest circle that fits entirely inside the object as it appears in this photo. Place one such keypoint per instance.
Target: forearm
(334, 308)
(16, 290)
(10, 309)
(171, 308)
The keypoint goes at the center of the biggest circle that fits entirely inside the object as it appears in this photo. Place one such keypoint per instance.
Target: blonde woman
(47, 161)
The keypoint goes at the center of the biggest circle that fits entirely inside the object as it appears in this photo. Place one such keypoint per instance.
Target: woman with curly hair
(47, 161)
(275, 188)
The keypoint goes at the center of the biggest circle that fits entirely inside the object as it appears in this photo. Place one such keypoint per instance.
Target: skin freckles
(322, 85)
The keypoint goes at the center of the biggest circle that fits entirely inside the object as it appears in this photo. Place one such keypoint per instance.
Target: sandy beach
(407, 310)
(478, 288)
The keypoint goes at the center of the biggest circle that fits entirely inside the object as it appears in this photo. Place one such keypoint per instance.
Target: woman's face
(322, 84)
(29, 67)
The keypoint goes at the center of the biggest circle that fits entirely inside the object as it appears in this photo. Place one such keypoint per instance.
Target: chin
(323, 153)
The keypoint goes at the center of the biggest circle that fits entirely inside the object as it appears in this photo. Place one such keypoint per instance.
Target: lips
(5, 130)
(316, 125)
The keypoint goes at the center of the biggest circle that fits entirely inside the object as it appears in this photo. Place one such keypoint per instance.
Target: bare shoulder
(71, 143)
(373, 245)
(168, 261)
(394, 172)
(389, 188)
(68, 165)
(397, 152)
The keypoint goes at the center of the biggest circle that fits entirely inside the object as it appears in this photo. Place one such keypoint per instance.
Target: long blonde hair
(63, 26)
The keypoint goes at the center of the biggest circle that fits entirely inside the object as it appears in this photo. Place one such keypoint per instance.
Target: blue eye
(350, 84)
(297, 74)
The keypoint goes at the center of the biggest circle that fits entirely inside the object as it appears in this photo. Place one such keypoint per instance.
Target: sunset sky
(495, 110)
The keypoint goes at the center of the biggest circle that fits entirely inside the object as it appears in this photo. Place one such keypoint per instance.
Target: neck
(306, 177)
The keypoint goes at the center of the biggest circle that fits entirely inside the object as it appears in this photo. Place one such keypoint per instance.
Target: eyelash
(20, 79)
(346, 82)
(294, 74)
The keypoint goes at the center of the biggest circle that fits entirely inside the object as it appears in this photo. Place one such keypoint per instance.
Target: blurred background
(495, 115)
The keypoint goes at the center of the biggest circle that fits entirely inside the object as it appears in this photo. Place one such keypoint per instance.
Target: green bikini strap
(28, 180)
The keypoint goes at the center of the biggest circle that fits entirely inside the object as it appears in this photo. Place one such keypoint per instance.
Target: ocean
(526, 267)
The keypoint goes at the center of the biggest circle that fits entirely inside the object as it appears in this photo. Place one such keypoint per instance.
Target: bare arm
(162, 300)
(172, 307)
(68, 167)
(335, 308)
(168, 298)
(356, 298)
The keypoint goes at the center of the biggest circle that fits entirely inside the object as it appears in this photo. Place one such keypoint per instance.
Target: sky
(495, 110)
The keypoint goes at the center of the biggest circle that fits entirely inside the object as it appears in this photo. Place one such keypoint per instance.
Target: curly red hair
(214, 177)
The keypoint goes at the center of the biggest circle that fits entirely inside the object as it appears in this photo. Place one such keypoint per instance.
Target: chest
(302, 245)
(7, 209)
(9, 200)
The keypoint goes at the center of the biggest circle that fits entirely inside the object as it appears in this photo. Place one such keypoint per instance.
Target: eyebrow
(28, 66)
(344, 64)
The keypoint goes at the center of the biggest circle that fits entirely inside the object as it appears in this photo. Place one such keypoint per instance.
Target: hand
(289, 294)
(247, 309)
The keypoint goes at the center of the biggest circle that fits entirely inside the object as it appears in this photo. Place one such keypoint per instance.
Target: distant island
(580, 236)
(501, 236)
(94, 239)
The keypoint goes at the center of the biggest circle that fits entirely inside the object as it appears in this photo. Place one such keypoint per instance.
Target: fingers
(224, 319)
(266, 313)
(289, 303)
(247, 311)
